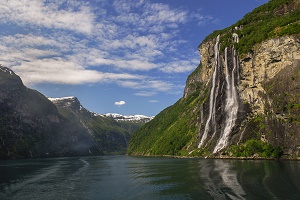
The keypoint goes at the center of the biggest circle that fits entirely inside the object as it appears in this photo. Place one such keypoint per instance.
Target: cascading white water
(230, 111)
(212, 98)
(236, 38)
(232, 105)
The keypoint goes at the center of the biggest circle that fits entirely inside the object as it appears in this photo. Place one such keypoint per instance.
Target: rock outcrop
(263, 64)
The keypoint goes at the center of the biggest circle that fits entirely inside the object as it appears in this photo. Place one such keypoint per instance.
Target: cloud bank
(128, 43)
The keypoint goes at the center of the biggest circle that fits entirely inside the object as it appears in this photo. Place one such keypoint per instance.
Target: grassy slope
(264, 22)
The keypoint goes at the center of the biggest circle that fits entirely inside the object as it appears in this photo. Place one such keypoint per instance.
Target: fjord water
(124, 177)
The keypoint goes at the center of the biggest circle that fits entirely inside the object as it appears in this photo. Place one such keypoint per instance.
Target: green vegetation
(170, 131)
(201, 152)
(264, 22)
(175, 128)
(253, 148)
(260, 121)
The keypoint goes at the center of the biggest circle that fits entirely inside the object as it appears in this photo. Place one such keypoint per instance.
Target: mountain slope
(242, 100)
(30, 125)
(108, 133)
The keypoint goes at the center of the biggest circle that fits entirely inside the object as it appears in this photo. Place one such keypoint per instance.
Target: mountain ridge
(119, 117)
(115, 116)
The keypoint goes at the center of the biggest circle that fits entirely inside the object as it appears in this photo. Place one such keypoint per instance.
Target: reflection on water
(122, 177)
(221, 179)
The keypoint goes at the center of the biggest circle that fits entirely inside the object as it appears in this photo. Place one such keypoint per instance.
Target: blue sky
(120, 56)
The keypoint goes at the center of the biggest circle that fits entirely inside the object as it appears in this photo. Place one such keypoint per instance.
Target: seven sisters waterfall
(223, 98)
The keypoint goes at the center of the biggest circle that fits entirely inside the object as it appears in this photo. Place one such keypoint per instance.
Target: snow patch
(62, 98)
(6, 70)
(119, 117)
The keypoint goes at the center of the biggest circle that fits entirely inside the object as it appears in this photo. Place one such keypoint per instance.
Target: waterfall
(212, 98)
(218, 95)
(236, 38)
(231, 106)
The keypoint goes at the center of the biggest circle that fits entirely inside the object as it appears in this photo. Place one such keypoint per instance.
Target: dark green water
(123, 177)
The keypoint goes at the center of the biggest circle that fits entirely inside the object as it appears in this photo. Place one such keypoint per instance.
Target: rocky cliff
(243, 99)
(251, 96)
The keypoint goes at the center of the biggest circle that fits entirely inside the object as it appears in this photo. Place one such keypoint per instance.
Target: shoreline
(219, 157)
(169, 156)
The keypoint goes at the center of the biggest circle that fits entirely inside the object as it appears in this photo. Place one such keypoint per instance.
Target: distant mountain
(131, 123)
(110, 136)
(33, 126)
(131, 118)
(124, 123)
(243, 99)
(74, 104)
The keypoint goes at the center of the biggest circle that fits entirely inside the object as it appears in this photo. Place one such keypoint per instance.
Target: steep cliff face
(224, 104)
(244, 95)
(263, 65)
(263, 103)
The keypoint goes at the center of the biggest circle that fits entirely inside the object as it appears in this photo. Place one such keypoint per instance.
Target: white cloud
(49, 15)
(145, 93)
(30, 40)
(162, 14)
(202, 19)
(139, 65)
(132, 42)
(153, 101)
(120, 103)
(149, 16)
(59, 71)
(180, 66)
(153, 85)
(55, 71)
(84, 43)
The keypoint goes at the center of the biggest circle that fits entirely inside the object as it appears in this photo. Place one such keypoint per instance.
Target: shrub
(253, 146)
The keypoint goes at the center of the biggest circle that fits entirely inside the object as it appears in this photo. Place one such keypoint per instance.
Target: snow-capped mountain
(74, 102)
(119, 117)
(71, 102)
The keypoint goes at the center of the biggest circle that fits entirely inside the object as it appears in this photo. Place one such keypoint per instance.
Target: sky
(115, 56)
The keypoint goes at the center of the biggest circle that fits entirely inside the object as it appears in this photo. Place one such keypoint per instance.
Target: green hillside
(171, 130)
(274, 19)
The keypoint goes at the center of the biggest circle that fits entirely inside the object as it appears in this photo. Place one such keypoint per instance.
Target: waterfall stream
(212, 98)
(231, 102)
(231, 107)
